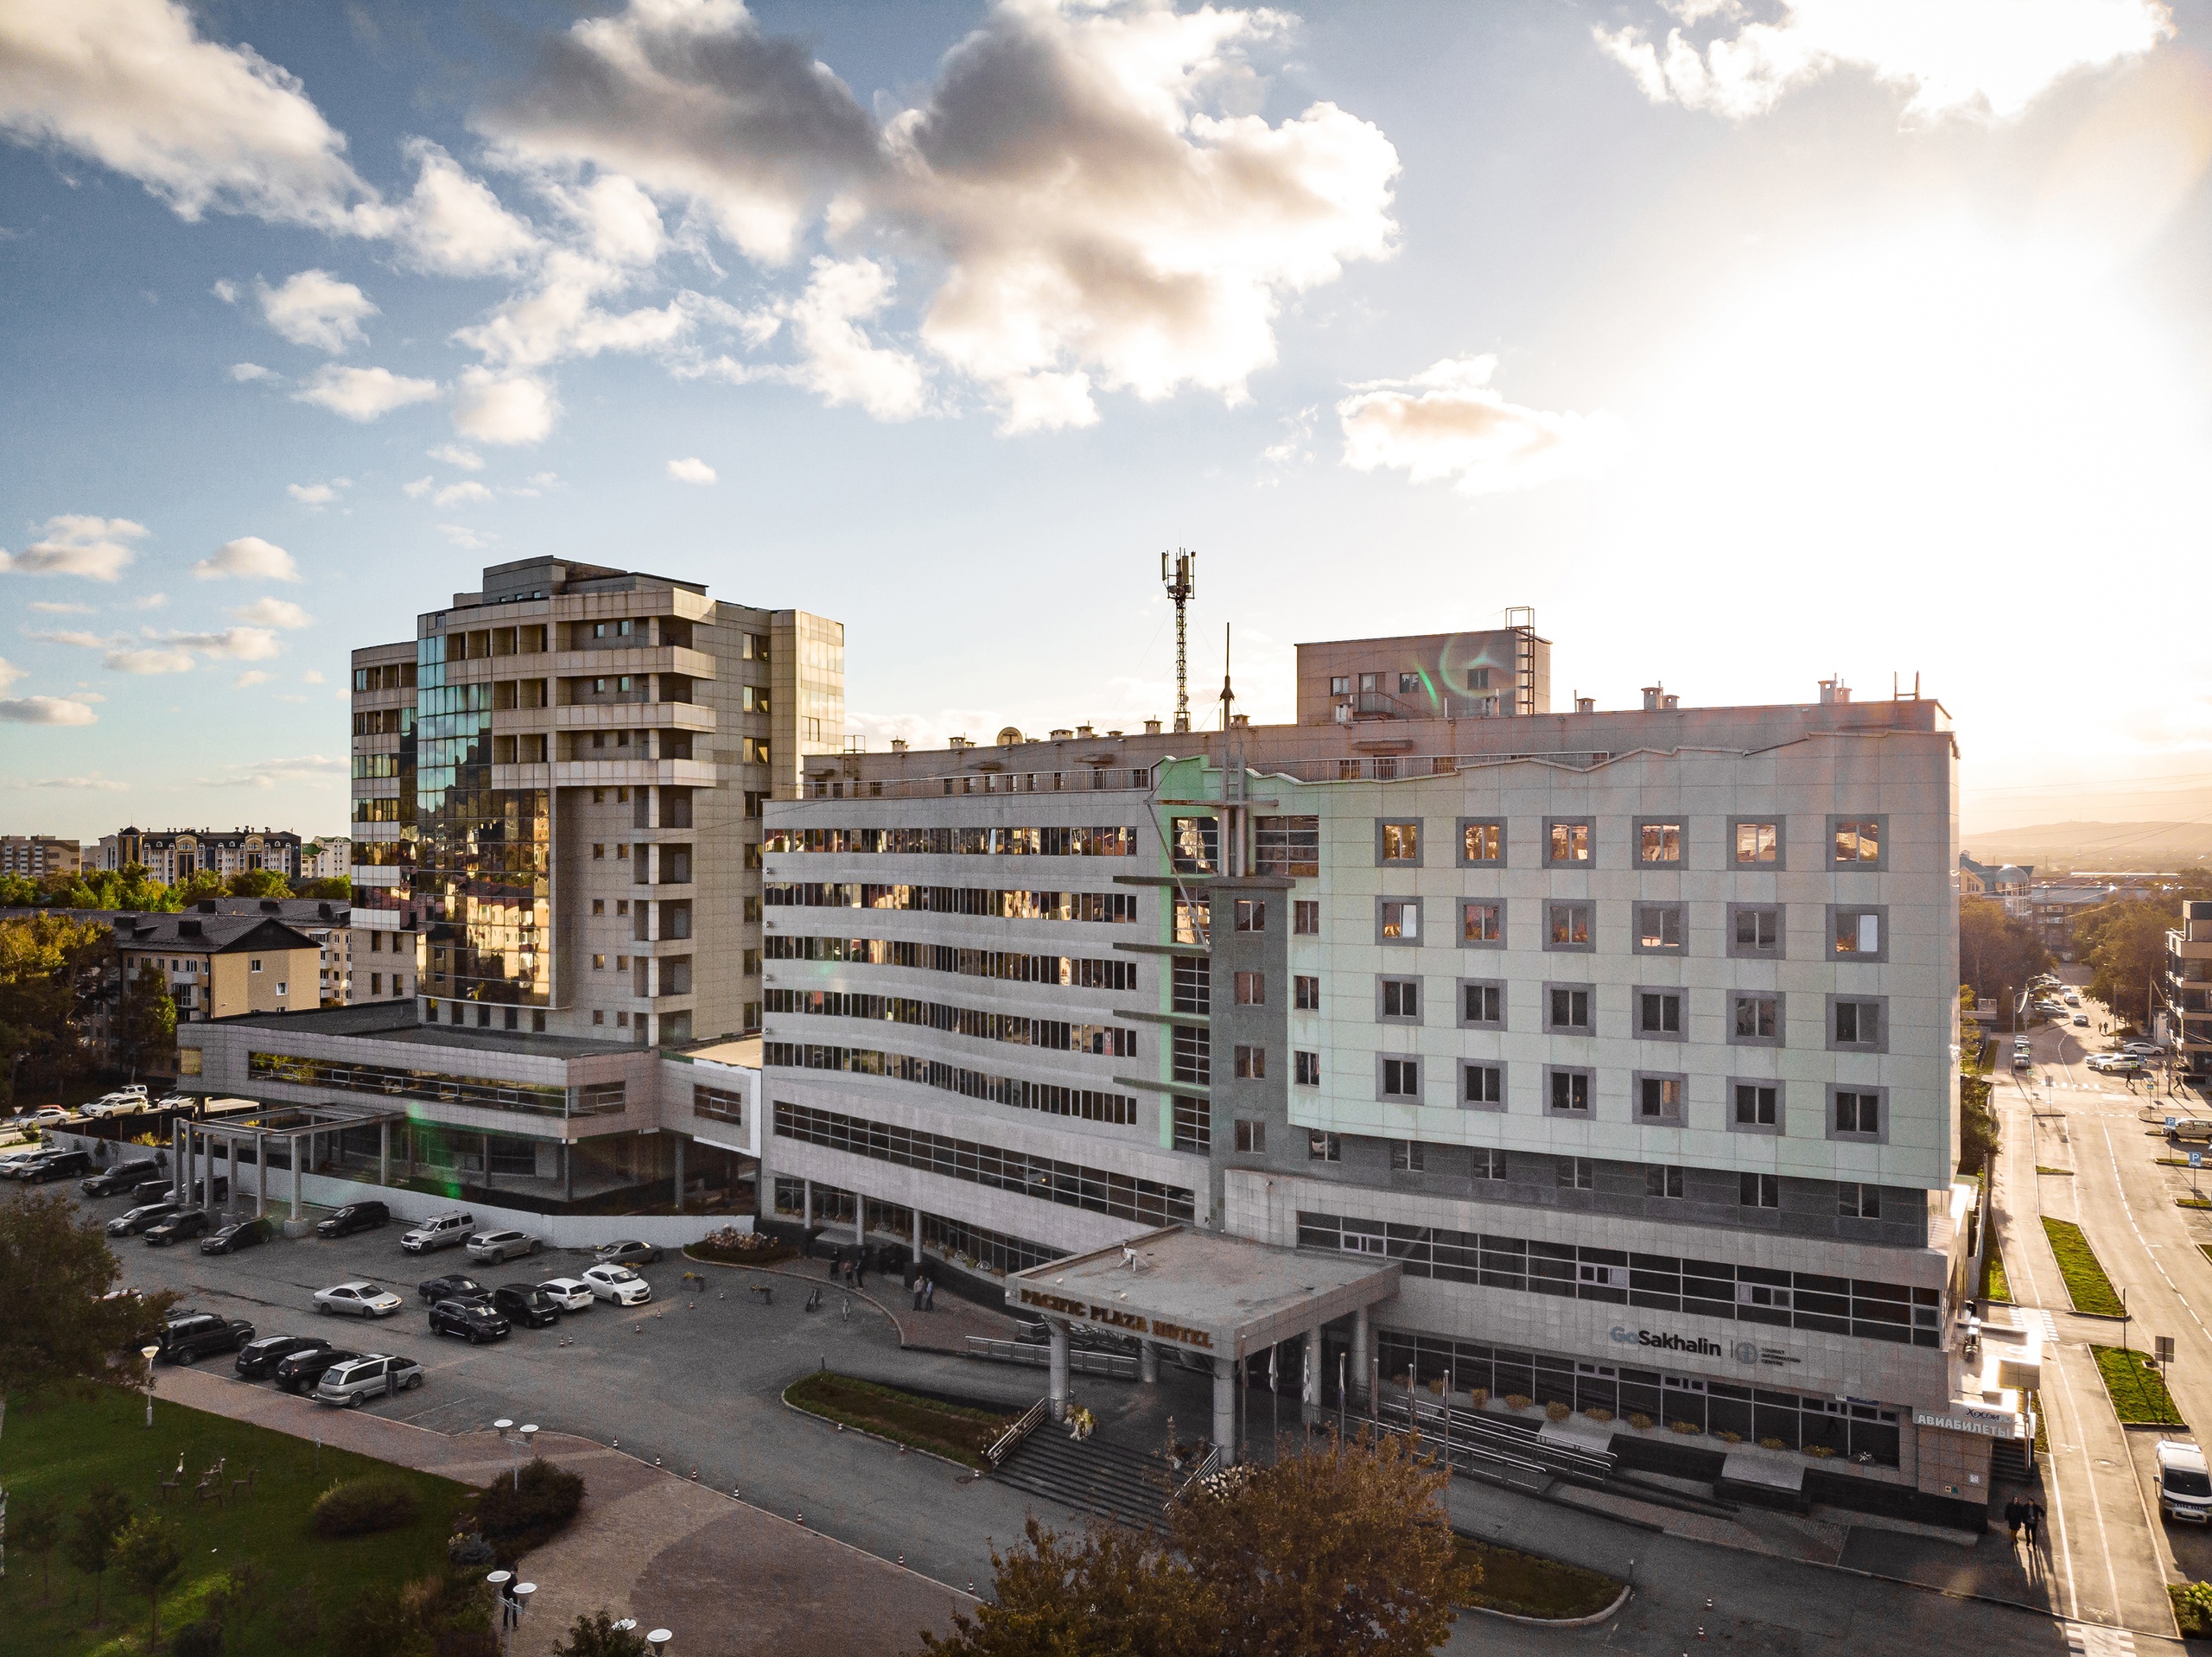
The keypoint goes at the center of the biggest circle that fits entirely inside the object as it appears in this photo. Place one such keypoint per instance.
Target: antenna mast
(1181, 582)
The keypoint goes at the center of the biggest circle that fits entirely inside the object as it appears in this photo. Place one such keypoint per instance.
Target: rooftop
(396, 1021)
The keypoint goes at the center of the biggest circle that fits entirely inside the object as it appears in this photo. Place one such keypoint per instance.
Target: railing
(1482, 1445)
(1004, 1444)
(1115, 1365)
(1204, 1470)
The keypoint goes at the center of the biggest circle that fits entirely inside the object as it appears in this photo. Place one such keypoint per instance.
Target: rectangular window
(1568, 1092)
(1409, 1157)
(1397, 920)
(1576, 1174)
(1305, 918)
(1324, 1148)
(1758, 1106)
(1659, 1014)
(1757, 844)
(1857, 1112)
(1251, 1137)
(1567, 1008)
(1194, 845)
(1759, 1191)
(1659, 1099)
(1306, 994)
(1482, 1003)
(1662, 1182)
(1193, 919)
(1659, 843)
(1482, 841)
(1251, 915)
(1567, 840)
(1855, 1025)
(1490, 1162)
(1755, 1021)
(1251, 1063)
(1857, 842)
(1193, 1125)
(1567, 926)
(1401, 1078)
(1859, 1202)
(1340, 684)
(1755, 930)
(1192, 1055)
(1399, 999)
(1659, 928)
(1191, 988)
(1483, 923)
(1859, 933)
(1306, 1070)
(1397, 843)
(1251, 989)
(256, 966)
(1286, 845)
(1483, 1086)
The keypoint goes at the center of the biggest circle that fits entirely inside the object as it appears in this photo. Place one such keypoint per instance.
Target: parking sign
(2197, 1158)
(2166, 1348)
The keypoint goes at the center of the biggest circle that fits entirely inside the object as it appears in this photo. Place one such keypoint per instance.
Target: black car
(184, 1339)
(452, 1287)
(190, 1223)
(472, 1320)
(139, 1219)
(161, 1190)
(245, 1233)
(301, 1371)
(355, 1217)
(57, 1165)
(124, 1176)
(526, 1304)
(257, 1360)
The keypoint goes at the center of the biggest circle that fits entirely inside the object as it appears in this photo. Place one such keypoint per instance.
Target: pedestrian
(929, 1294)
(917, 1294)
(860, 1273)
(2035, 1524)
(2016, 1515)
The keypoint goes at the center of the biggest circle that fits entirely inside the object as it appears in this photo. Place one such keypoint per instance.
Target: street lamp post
(147, 1353)
(658, 1638)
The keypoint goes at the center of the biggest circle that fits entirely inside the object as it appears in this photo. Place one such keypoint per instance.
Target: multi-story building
(1628, 1035)
(171, 855)
(225, 957)
(37, 856)
(329, 859)
(2184, 1017)
(557, 788)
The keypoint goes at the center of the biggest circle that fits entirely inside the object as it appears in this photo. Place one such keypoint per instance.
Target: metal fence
(1114, 1365)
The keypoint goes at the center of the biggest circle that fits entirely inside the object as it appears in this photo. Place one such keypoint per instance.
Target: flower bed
(730, 1247)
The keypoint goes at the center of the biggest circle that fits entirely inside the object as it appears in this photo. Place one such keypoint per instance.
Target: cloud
(417, 489)
(149, 661)
(46, 710)
(839, 363)
(317, 494)
(253, 676)
(74, 544)
(1987, 59)
(311, 677)
(243, 372)
(314, 308)
(362, 394)
(275, 613)
(49, 607)
(512, 408)
(150, 602)
(9, 672)
(83, 641)
(455, 494)
(465, 539)
(267, 773)
(693, 470)
(453, 224)
(454, 454)
(226, 290)
(237, 643)
(1446, 422)
(107, 785)
(249, 558)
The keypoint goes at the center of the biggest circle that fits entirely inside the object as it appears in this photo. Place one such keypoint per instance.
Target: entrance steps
(1092, 1476)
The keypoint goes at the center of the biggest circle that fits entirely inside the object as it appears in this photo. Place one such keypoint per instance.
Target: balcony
(617, 657)
(606, 773)
(610, 716)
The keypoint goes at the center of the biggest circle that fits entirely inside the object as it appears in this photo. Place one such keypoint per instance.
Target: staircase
(1092, 1476)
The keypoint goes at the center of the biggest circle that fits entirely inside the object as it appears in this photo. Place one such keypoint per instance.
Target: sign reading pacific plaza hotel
(1596, 1058)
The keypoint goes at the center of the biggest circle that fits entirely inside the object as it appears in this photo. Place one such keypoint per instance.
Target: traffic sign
(2166, 1348)
(2197, 1158)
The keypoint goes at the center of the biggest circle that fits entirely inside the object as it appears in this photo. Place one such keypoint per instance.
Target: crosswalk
(2089, 1640)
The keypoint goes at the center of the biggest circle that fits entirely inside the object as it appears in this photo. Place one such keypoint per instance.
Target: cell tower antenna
(1181, 581)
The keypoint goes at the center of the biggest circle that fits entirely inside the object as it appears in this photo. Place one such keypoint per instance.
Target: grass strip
(2067, 1173)
(953, 1430)
(2087, 1285)
(1994, 1283)
(2192, 1604)
(1526, 1584)
(2137, 1392)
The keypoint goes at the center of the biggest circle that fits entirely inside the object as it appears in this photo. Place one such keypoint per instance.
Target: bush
(1598, 1414)
(1516, 1400)
(364, 1507)
(1639, 1420)
(515, 1519)
(1555, 1411)
(197, 1640)
(731, 1247)
(1686, 1428)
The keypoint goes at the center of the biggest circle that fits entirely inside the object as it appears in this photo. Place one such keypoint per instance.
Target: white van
(2184, 1483)
(440, 1231)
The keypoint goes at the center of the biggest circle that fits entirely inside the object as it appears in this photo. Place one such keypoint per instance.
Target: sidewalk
(944, 1330)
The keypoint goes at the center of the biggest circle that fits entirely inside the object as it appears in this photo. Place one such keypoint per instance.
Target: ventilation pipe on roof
(1586, 704)
(1834, 690)
(1652, 695)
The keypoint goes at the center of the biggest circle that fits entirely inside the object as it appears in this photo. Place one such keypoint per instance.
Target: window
(1482, 1002)
(1567, 1008)
(755, 750)
(1370, 682)
(1193, 919)
(1251, 989)
(1757, 1108)
(1659, 843)
(1397, 843)
(1859, 1202)
(1325, 1147)
(598, 850)
(1482, 839)
(624, 851)
(1857, 842)
(1251, 915)
(1759, 1191)
(1855, 1025)
(1755, 1021)
(749, 964)
(1306, 1070)
(1409, 684)
(1771, 1297)
(1858, 1113)
(1567, 840)
(1576, 1174)
(1286, 845)
(376, 983)
(1567, 926)
(1490, 1162)
(1398, 999)
(1192, 1128)
(599, 906)
(1483, 1086)
(1662, 1182)
(1192, 1053)
(1401, 1078)
(1191, 988)
(282, 987)
(1659, 928)
(1409, 1157)
(1859, 934)
(1757, 844)
(1659, 1099)
(1340, 684)
(1659, 1014)
(1305, 918)
(1568, 1092)
(1397, 920)
(1194, 845)
(1306, 994)
(1251, 1063)
(1483, 924)
(1755, 930)
(1251, 1137)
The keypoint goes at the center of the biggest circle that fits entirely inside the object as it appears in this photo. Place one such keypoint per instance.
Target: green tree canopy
(145, 1027)
(597, 1636)
(2125, 944)
(58, 1323)
(1997, 953)
(151, 1559)
(257, 883)
(51, 967)
(93, 1530)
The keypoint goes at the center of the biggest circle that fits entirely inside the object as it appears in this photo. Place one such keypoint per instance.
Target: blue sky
(1748, 343)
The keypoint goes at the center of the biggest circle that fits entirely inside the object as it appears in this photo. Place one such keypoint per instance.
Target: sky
(1751, 342)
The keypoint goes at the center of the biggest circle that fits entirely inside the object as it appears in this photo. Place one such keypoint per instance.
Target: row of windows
(996, 903)
(1056, 1035)
(1124, 1196)
(1854, 1024)
(1072, 972)
(1851, 842)
(1117, 841)
(718, 1102)
(1750, 1294)
(394, 1082)
(1857, 932)
(1088, 1104)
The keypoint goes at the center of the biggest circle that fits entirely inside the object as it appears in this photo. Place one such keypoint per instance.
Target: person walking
(2015, 1515)
(929, 1294)
(2035, 1524)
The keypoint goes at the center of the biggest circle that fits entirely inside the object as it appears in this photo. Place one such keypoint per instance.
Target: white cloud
(49, 607)
(267, 773)
(84, 695)
(150, 602)
(83, 641)
(46, 710)
(513, 408)
(453, 224)
(465, 539)
(226, 290)
(249, 558)
(362, 394)
(75, 544)
(317, 494)
(1295, 448)
(464, 493)
(253, 676)
(151, 660)
(107, 785)
(9, 672)
(417, 489)
(454, 454)
(840, 365)
(314, 308)
(1446, 422)
(243, 372)
(311, 677)
(1983, 58)
(275, 613)
(237, 643)
(692, 470)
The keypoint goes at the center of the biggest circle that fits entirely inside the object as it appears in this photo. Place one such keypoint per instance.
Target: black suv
(257, 1360)
(160, 1191)
(122, 1178)
(58, 1164)
(472, 1320)
(355, 1217)
(526, 1304)
(301, 1371)
(454, 1285)
(190, 1223)
(139, 1219)
(242, 1233)
(184, 1339)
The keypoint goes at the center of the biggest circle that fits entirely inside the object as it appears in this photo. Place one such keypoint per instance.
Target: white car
(2184, 1483)
(120, 1102)
(49, 1116)
(358, 1300)
(618, 1284)
(496, 1246)
(2073, 998)
(569, 1293)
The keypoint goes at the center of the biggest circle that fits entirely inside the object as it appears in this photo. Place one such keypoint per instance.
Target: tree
(337, 887)
(52, 969)
(597, 1636)
(38, 1533)
(258, 883)
(90, 1546)
(1998, 952)
(1977, 1135)
(132, 887)
(58, 1326)
(2125, 944)
(148, 1554)
(145, 1032)
(204, 885)
(1111, 1594)
(379, 1624)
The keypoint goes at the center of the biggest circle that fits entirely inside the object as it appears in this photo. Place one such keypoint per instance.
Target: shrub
(1772, 1444)
(517, 1518)
(364, 1507)
(735, 1248)
(1820, 1452)
(1556, 1411)
(1639, 1420)
(1517, 1401)
(1598, 1413)
(1479, 1396)
(197, 1640)
(1730, 1437)
(1684, 1427)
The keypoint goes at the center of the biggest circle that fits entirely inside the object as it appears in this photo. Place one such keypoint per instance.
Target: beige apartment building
(37, 856)
(223, 959)
(171, 855)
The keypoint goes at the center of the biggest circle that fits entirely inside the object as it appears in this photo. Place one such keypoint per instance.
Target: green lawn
(1994, 1285)
(307, 1584)
(2137, 1392)
(1524, 1584)
(949, 1430)
(2088, 1287)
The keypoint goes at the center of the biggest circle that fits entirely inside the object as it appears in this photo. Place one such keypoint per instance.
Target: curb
(807, 1277)
(846, 1426)
(1591, 1621)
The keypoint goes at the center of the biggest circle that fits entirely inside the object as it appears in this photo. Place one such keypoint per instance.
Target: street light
(658, 1640)
(147, 1353)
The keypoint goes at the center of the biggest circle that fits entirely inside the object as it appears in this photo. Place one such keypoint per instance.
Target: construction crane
(1181, 581)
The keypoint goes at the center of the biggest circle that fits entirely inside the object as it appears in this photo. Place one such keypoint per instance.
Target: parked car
(440, 1231)
(2116, 1063)
(355, 1217)
(473, 1320)
(2081, 1021)
(358, 1299)
(9, 1161)
(56, 1165)
(527, 1305)
(2184, 1482)
(569, 1294)
(161, 1190)
(496, 1247)
(2023, 1062)
(122, 1177)
(245, 1233)
(259, 1359)
(49, 1116)
(618, 1284)
(299, 1372)
(352, 1384)
(627, 1252)
(140, 1218)
(198, 1334)
(453, 1285)
(186, 1223)
(120, 1102)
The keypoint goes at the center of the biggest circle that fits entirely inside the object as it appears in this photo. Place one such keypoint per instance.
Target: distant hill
(2096, 845)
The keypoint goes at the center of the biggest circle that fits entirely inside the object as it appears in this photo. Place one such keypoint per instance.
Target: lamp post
(514, 1599)
(147, 1353)
(658, 1638)
(527, 1434)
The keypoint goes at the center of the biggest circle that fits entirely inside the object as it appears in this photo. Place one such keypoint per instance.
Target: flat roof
(742, 1051)
(1227, 1295)
(396, 1021)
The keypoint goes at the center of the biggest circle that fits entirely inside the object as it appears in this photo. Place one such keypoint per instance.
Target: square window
(1576, 1174)
(1755, 931)
(1755, 1021)
(1190, 1054)
(598, 850)
(1398, 842)
(1306, 1070)
(1658, 843)
(1251, 915)
(1481, 1086)
(1567, 926)
(1194, 845)
(1397, 920)
(621, 963)
(598, 1017)
(1398, 999)
(1859, 933)
(1859, 1202)
(1251, 989)
(1193, 919)
(1324, 1148)
(621, 906)
(1756, 843)
(1659, 928)
(1482, 924)
(1567, 1008)
(1306, 994)
(1409, 1157)
(1482, 1003)
(1856, 1113)
(1340, 684)
(1409, 684)
(1370, 682)
(254, 966)
(1659, 1014)
(1306, 918)
(1490, 1162)
(1759, 1191)
(1659, 1099)
(1567, 1092)
(1401, 1078)
(1251, 1138)
(1662, 1182)
(1567, 840)
(1755, 1106)
(1482, 841)
(1251, 1063)
(1857, 1026)
(599, 906)
(1858, 842)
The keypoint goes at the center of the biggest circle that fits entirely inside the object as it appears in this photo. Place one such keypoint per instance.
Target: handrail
(1206, 1468)
(1028, 1422)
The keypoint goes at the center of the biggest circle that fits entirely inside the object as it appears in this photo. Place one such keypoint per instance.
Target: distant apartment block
(329, 858)
(227, 957)
(37, 856)
(2185, 995)
(171, 855)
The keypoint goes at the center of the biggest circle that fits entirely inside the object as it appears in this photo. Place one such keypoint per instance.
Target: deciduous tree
(59, 1323)
(37, 1529)
(93, 1529)
(596, 1635)
(151, 1559)
(52, 969)
(1997, 953)
(145, 1033)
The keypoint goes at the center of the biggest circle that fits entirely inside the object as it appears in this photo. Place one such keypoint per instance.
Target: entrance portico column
(1224, 1409)
(1309, 1392)
(384, 1154)
(261, 1175)
(917, 1236)
(299, 1174)
(806, 1203)
(1056, 1389)
(1361, 1336)
(1148, 1362)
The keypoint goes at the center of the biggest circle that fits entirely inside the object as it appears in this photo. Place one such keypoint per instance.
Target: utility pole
(1181, 581)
